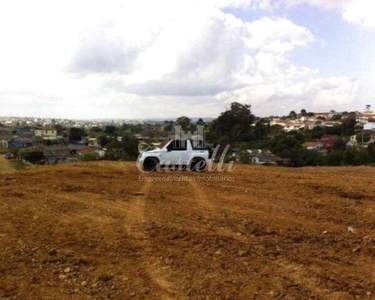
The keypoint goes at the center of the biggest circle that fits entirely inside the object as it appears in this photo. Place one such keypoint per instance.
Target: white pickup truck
(176, 154)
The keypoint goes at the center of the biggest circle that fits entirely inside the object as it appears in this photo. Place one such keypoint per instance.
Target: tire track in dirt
(133, 213)
(286, 267)
(200, 196)
(300, 275)
(242, 205)
(134, 217)
(136, 207)
(296, 273)
(202, 200)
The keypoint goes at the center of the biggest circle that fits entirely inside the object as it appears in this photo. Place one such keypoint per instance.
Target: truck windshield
(177, 145)
(198, 144)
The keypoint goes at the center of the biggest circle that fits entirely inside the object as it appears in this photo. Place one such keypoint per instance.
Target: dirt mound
(95, 231)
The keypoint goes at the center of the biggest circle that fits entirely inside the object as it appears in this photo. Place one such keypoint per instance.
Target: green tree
(336, 117)
(293, 115)
(335, 130)
(244, 157)
(125, 127)
(303, 112)
(126, 149)
(276, 129)
(110, 129)
(339, 145)
(32, 155)
(300, 157)
(371, 151)
(184, 122)
(89, 156)
(168, 126)
(76, 134)
(260, 130)
(315, 133)
(366, 137)
(362, 157)
(234, 123)
(224, 141)
(103, 140)
(201, 122)
(137, 128)
(59, 129)
(348, 124)
(334, 158)
(349, 156)
(96, 129)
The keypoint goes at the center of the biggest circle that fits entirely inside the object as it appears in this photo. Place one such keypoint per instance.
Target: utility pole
(362, 137)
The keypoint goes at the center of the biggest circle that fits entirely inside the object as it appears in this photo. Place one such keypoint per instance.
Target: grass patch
(88, 156)
(18, 165)
(3, 150)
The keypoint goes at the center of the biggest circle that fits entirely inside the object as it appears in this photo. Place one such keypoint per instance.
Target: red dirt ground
(95, 231)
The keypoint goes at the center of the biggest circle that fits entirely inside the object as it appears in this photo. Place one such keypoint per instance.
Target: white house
(369, 126)
(313, 145)
(46, 132)
(4, 143)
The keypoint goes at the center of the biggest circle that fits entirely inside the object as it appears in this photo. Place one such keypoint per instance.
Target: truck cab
(187, 154)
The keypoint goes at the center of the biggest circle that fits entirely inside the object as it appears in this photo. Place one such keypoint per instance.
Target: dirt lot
(95, 231)
(5, 165)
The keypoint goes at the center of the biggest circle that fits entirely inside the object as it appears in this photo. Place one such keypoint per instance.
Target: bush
(76, 134)
(334, 158)
(32, 155)
(96, 129)
(349, 156)
(362, 157)
(18, 165)
(336, 117)
(331, 159)
(103, 141)
(244, 157)
(339, 145)
(371, 151)
(335, 130)
(89, 156)
(366, 137)
(127, 149)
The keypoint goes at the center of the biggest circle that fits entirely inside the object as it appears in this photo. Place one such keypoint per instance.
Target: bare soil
(95, 231)
(5, 165)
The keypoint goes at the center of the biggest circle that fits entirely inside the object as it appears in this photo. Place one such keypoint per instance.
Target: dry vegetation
(6, 166)
(93, 231)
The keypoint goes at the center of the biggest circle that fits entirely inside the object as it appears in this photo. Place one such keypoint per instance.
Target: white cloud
(328, 4)
(153, 58)
(332, 91)
(280, 96)
(277, 35)
(359, 12)
(252, 4)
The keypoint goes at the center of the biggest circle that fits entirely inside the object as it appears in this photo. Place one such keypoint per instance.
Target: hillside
(94, 231)
(5, 165)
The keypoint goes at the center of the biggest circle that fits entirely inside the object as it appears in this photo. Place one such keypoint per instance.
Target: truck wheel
(197, 165)
(150, 164)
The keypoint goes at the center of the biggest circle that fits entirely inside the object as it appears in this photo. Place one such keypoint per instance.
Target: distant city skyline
(193, 118)
(162, 59)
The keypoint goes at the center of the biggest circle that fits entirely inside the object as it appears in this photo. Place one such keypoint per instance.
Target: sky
(166, 58)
